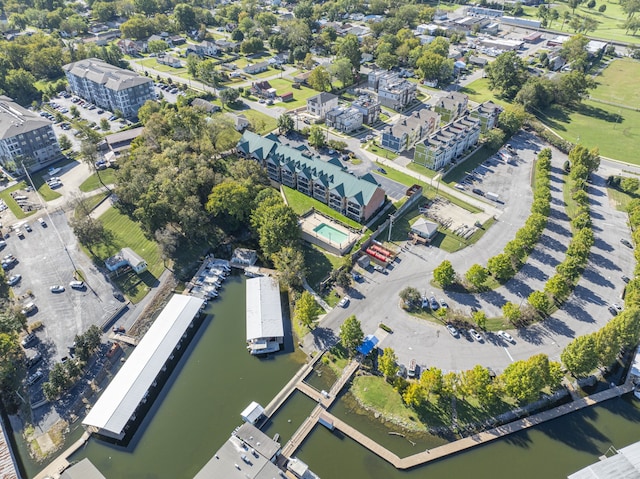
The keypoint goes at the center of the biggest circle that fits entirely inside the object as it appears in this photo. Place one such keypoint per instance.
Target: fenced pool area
(327, 233)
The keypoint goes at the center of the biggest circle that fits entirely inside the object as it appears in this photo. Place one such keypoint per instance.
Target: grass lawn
(614, 130)
(302, 203)
(380, 151)
(422, 170)
(93, 183)
(265, 74)
(153, 64)
(261, 123)
(11, 203)
(125, 232)
(479, 91)
(92, 201)
(618, 83)
(299, 95)
(319, 264)
(619, 198)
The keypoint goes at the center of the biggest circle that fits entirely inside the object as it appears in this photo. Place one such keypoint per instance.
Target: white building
(26, 137)
(265, 332)
(344, 119)
(393, 92)
(108, 86)
(448, 143)
(320, 104)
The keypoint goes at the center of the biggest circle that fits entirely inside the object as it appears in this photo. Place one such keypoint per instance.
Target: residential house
(478, 61)
(226, 45)
(176, 40)
(118, 144)
(263, 89)
(393, 92)
(448, 143)
(407, 131)
(169, 60)
(344, 119)
(129, 47)
(451, 106)
(301, 78)
(108, 86)
(326, 181)
(369, 107)
(204, 49)
(240, 121)
(26, 137)
(256, 68)
(488, 113)
(320, 104)
(206, 105)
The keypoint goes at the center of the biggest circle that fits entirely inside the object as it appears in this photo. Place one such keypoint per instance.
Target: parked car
(452, 330)
(402, 371)
(29, 308)
(15, 279)
(42, 222)
(27, 227)
(626, 279)
(34, 378)
(28, 339)
(476, 335)
(344, 302)
(33, 360)
(58, 288)
(506, 336)
(443, 304)
(381, 170)
(626, 243)
(478, 191)
(77, 284)
(615, 308)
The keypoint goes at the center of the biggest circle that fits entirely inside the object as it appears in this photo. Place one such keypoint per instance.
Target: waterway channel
(216, 378)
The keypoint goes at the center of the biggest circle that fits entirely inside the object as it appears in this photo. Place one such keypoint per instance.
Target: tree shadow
(552, 244)
(577, 311)
(594, 277)
(532, 272)
(602, 262)
(600, 244)
(599, 113)
(557, 327)
(324, 338)
(494, 298)
(558, 229)
(543, 257)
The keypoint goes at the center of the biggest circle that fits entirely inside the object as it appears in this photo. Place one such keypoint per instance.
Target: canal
(216, 378)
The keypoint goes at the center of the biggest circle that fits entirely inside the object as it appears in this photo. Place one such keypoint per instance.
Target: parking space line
(508, 354)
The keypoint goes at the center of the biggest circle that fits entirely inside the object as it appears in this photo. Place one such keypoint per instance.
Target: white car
(344, 302)
(34, 378)
(443, 304)
(506, 336)
(476, 335)
(58, 288)
(15, 279)
(452, 330)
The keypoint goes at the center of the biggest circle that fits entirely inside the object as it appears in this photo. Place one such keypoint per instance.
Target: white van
(77, 284)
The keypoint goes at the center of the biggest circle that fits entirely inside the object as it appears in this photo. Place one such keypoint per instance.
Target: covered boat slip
(111, 413)
(265, 331)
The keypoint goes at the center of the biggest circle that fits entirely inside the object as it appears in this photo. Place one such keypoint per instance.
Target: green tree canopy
(444, 274)
(388, 363)
(351, 335)
(306, 310)
(507, 73)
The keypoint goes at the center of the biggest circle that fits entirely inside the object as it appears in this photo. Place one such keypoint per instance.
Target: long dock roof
(264, 313)
(121, 398)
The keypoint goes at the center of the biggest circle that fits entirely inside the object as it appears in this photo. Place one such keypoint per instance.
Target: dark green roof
(332, 176)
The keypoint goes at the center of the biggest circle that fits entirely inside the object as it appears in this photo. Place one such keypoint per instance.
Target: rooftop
(15, 119)
(625, 464)
(112, 411)
(110, 76)
(264, 312)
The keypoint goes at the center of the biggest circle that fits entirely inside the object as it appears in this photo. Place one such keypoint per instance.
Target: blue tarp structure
(367, 345)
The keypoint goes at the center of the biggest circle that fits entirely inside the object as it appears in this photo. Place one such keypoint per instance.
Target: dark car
(626, 279)
(118, 295)
(626, 243)
(478, 191)
(381, 170)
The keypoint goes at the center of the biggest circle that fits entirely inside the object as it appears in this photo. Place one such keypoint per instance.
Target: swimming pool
(330, 233)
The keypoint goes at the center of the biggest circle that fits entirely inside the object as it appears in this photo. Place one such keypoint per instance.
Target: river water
(216, 378)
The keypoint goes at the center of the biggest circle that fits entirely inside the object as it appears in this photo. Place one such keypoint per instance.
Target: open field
(153, 64)
(302, 203)
(93, 183)
(299, 96)
(261, 123)
(125, 232)
(618, 83)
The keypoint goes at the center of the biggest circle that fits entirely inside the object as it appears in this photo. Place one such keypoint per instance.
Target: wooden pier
(56, 468)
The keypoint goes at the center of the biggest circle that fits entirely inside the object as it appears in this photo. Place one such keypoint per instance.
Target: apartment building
(409, 130)
(344, 119)
(326, 181)
(393, 92)
(488, 113)
(369, 107)
(26, 138)
(108, 86)
(448, 143)
(452, 106)
(319, 105)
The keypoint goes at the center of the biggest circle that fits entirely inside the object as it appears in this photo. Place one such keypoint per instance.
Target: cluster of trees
(63, 375)
(522, 380)
(505, 265)
(508, 75)
(582, 163)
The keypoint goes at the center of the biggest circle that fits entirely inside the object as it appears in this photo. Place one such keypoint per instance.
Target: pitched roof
(106, 74)
(359, 190)
(15, 119)
(323, 97)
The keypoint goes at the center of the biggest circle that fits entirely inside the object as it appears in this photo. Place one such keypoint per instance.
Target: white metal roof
(264, 313)
(624, 465)
(121, 398)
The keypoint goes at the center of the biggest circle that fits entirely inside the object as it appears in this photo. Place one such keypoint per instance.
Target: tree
(276, 224)
(494, 138)
(580, 155)
(507, 73)
(89, 153)
(512, 118)
(343, 278)
(316, 136)
(306, 310)
(521, 382)
(185, 17)
(20, 85)
(88, 231)
(75, 113)
(580, 355)
(511, 312)
(349, 48)
(573, 4)
(480, 318)
(602, 8)
(412, 396)
(539, 301)
(104, 124)
(591, 4)
(341, 69)
(285, 124)
(320, 79)
(410, 296)
(557, 286)
(476, 382)
(500, 266)
(88, 342)
(444, 274)
(435, 67)
(388, 363)
(157, 46)
(229, 95)
(607, 346)
(252, 45)
(231, 199)
(575, 52)
(65, 142)
(477, 275)
(387, 60)
(431, 381)
(351, 335)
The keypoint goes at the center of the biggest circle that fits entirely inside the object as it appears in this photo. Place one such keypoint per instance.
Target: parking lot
(48, 256)
(89, 112)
